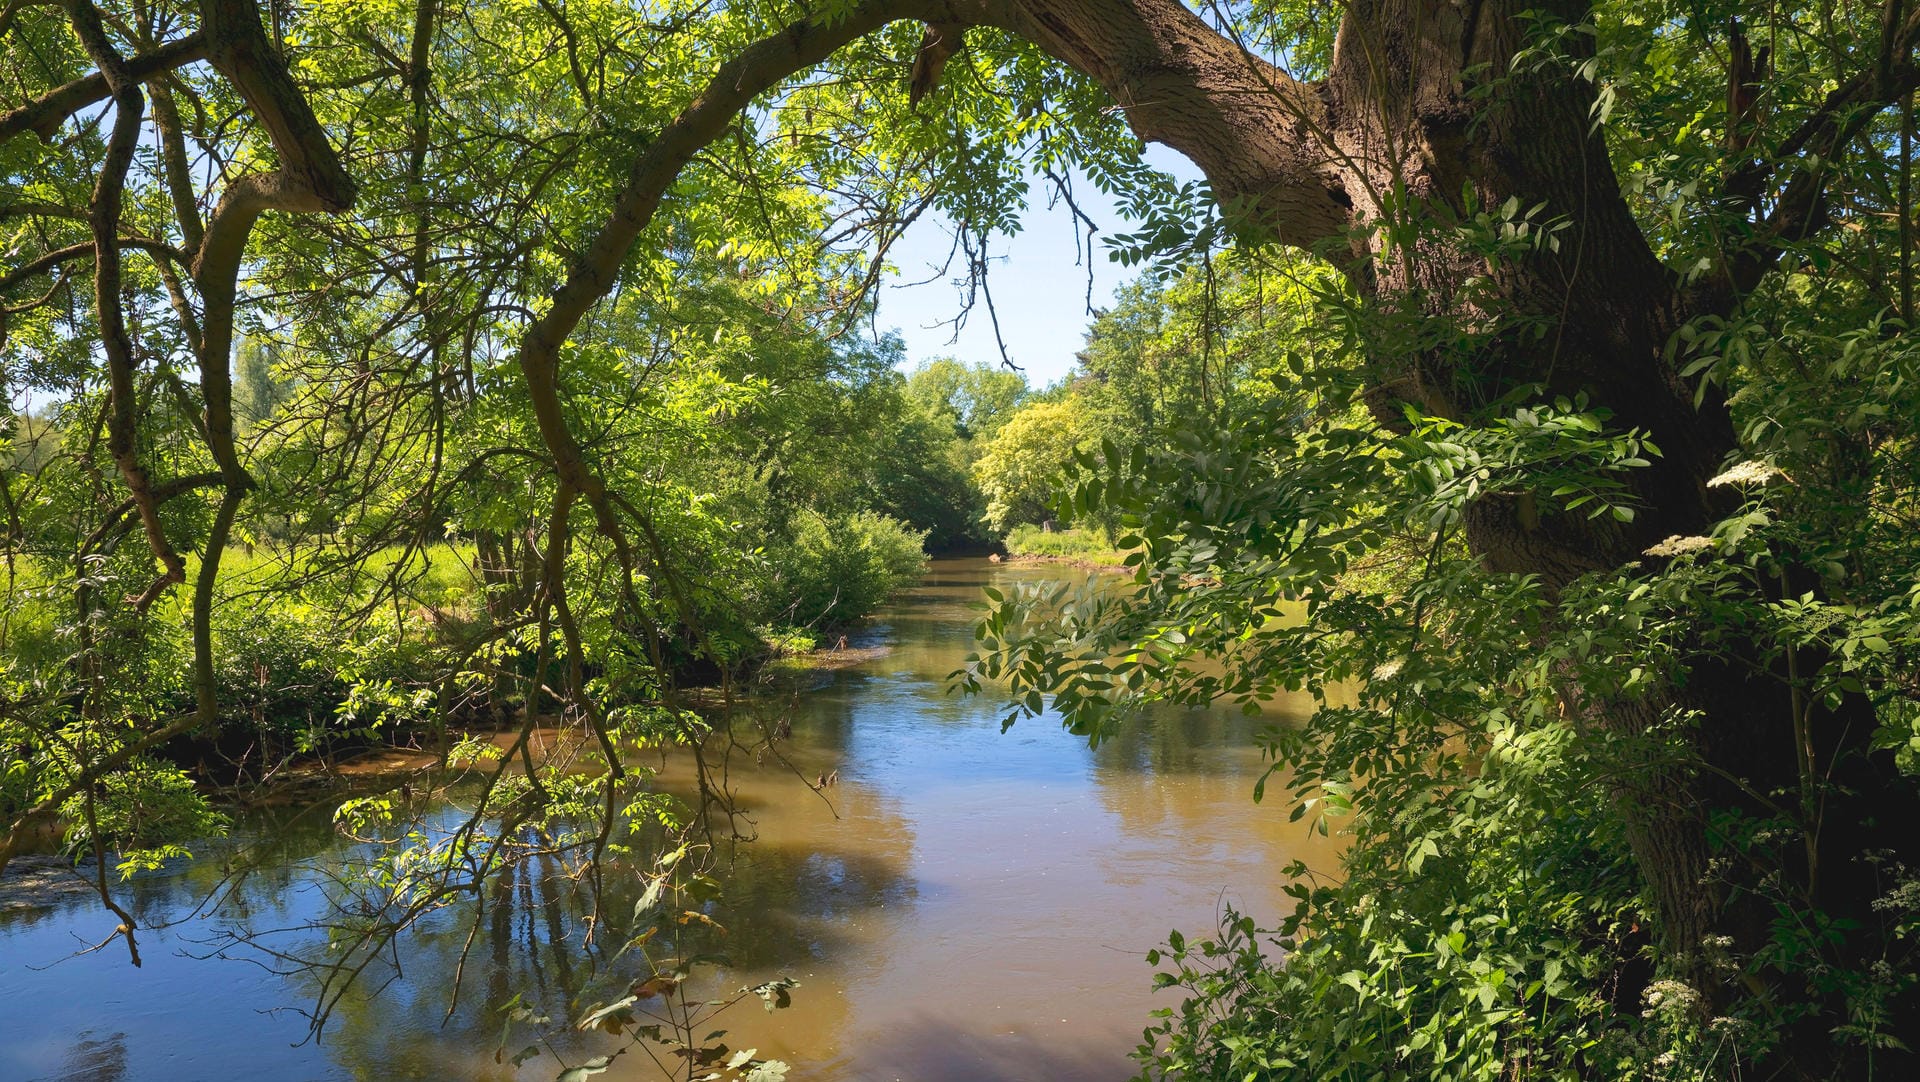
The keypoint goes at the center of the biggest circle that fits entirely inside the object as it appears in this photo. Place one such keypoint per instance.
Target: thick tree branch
(310, 179)
(44, 115)
(1808, 154)
(1262, 137)
(238, 46)
(173, 155)
(758, 68)
(122, 426)
(162, 492)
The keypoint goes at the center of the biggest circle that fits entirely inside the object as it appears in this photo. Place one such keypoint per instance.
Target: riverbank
(1088, 550)
(386, 765)
(1078, 563)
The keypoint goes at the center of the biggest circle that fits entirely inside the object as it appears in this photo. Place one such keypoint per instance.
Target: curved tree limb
(44, 115)
(104, 216)
(1262, 137)
(47, 261)
(173, 156)
(310, 179)
(757, 69)
(1179, 81)
(1799, 210)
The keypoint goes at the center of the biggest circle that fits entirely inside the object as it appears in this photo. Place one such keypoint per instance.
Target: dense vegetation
(1532, 385)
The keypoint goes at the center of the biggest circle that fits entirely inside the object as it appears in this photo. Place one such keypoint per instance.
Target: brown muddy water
(968, 905)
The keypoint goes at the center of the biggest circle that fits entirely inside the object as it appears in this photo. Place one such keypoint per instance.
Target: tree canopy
(1572, 462)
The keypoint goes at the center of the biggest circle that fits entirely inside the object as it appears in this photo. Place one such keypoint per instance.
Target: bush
(1489, 953)
(834, 571)
(1075, 544)
(288, 671)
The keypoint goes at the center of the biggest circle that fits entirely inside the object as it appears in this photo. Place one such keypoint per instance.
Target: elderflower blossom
(1677, 545)
(1746, 473)
(1387, 670)
(1670, 995)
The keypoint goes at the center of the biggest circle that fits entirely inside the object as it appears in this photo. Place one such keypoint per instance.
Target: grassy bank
(1076, 546)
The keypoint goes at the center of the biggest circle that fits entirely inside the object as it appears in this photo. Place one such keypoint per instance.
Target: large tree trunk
(1323, 164)
(1422, 111)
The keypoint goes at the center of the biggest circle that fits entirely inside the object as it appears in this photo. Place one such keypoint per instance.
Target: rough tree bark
(1422, 99)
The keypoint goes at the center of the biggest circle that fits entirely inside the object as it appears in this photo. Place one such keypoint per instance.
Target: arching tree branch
(104, 217)
(1807, 156)
(44, 115)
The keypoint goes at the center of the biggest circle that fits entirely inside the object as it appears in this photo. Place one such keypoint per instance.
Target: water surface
(962, 905)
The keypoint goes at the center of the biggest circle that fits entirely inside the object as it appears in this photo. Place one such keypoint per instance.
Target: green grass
(1090, 546)
(441, 575)
(437, 574)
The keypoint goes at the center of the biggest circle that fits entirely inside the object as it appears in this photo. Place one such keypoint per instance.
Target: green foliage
(258, 391)
(833, 571)
(1209, 342)
(1089, 545)
(922, 452)
(974, 399)
(289, 675)
(1024, 464)
(712, 450)
(142, 814)
(1487, 920)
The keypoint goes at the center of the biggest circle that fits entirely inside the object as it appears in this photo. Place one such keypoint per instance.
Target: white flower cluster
(1747, 473)
(1677, 545)
(1670, 996)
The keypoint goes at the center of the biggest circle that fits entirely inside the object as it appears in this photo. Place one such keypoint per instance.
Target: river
(965, 904)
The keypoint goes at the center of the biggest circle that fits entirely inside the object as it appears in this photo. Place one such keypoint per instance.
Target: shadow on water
(927, 1048)
(93, 1058)
(787, 903)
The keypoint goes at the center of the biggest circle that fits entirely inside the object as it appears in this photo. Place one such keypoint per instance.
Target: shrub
(833, 571)
(290, 672)
(1074, 544)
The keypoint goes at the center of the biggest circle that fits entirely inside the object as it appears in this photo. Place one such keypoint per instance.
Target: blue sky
(1039, 284)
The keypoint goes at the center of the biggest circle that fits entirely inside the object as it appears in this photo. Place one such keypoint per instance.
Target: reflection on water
(963, 905)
